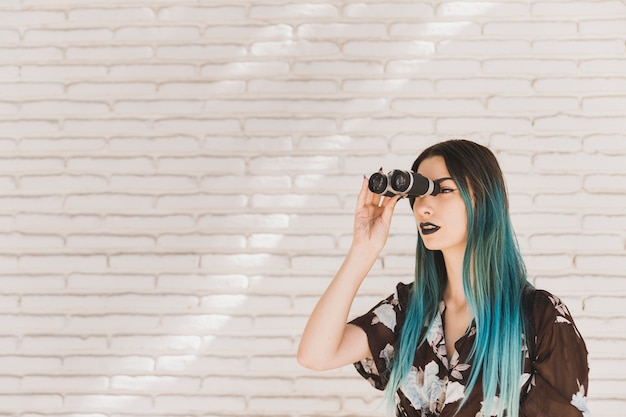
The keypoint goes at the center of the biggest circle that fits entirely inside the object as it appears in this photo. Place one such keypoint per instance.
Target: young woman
(470, 336)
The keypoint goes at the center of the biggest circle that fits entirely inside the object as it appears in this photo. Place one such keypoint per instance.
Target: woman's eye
(446, 190)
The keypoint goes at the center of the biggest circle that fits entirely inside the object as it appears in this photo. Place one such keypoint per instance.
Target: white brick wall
(177, 180)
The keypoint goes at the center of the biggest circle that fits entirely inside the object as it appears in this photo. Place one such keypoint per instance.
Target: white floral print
(386, 315)
(424, 389)
(579, 400)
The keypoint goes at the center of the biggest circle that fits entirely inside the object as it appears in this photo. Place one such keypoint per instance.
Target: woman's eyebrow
(440, 180)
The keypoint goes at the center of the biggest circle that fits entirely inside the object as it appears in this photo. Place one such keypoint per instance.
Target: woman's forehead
(434, 168)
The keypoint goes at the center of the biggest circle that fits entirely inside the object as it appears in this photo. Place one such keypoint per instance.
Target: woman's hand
(372, 219)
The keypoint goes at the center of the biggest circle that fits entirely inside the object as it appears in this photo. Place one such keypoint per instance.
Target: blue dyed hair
(493, 258)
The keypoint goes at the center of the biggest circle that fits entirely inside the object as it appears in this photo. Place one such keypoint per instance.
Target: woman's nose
(423, 205)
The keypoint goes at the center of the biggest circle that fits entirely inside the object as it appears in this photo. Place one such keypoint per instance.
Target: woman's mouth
(428, 228)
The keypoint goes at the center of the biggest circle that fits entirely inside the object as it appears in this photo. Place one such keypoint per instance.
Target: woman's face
(441, 219)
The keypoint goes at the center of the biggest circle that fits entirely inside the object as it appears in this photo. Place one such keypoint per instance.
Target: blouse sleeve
(382, 326)
(559, 383)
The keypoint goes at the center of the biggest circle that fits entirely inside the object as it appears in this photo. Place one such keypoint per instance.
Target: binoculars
(402, 182)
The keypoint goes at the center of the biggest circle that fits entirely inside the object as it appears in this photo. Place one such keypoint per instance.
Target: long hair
(493, 258)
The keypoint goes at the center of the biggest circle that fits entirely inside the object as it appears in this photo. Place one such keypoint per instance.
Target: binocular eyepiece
(402, 182)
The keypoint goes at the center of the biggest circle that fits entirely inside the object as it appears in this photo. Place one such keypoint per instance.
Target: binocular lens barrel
(402, 182)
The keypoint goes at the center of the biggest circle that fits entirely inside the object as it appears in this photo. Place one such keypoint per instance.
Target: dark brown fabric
(554, 385)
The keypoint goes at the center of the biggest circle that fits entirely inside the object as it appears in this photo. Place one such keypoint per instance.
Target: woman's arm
(328, 342)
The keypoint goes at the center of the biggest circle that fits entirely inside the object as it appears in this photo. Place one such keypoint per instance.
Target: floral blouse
(553, 384)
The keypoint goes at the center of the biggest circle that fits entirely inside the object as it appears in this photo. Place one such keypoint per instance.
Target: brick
(131, 14)
(578, 162)
(201, 365)
(249, 344)
(163, 262)
(51, 107)
(368, 11)
(437, 67)
(289, 201)
(25, 89)
(435, 29)
(245, 262)
(63, 344)
(100, 241)
(375, 125)
(337, 67)
(61, 145)
(293, 48)
(388, 48)
(482, 8)
(108, 89)
(64, 383)
(282, 125)
(465, 124)
(605, 183)
(607, 144)
(35, 54)
(603, 104)
(530, 66)
(251, 303)
(604, 222)
(249, 145)
(201, 201)
(142, 343)
(10, 73)
(102, 364)
(109, 53)
(34, 182)
(30, 364)
(67, 36)
(181, 125)
(341, 30)
(201, 403)
(484, 47)
(212, 283)
(193, 241)
(320, 263)
(578, 8)
(24, 283)
(23, 165)
(359, 105)
(437, 105)
(247, 221)
(203, 52)
(602, 66)
(165, 33)
(152, 182)
(110, 126)
(62, 262)
(580, 200)
(32, 204)
(21, 402)
(202, 88)
(31, 241)
(62, 72)
(330, 405)
(32, 323)
(157, 383)
(57, 221)
(240, 184)
(575, 242)
(29, 127)
(160, 144)
(206, 164)
(149, 222)
(106, 323)
(556, 262)
(605, 305)
(606, 264)
(537, 29)
(535, 143)
(298, 10)
(395, 86)
(31, 17)
(142, 72)
(204, 14)
(187, 107)
(307, 164)
(238, 70)
(108, 402)
(108, 202)
(227, 385)
(566, 122)
(278, 87)
(250, 31)
(557, 183)
(484, 86)
(532, 104)
(578, 47)
(110, 282)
